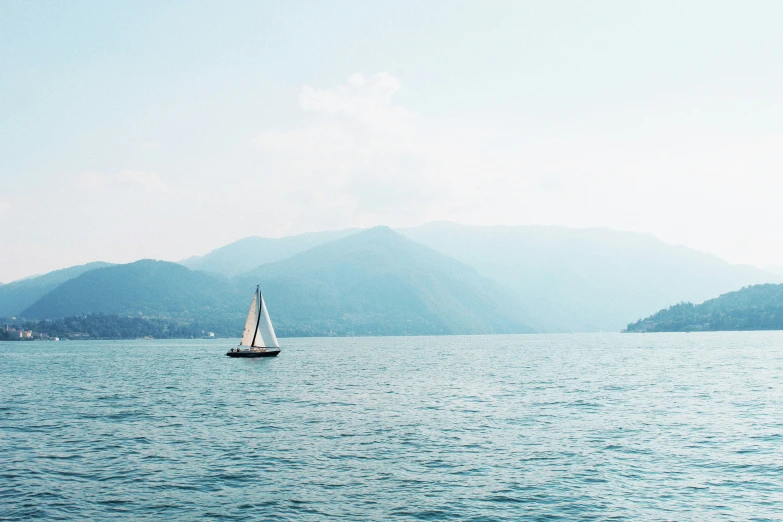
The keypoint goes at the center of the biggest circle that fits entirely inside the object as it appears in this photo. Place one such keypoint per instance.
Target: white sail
(266, 334)
(250, 324)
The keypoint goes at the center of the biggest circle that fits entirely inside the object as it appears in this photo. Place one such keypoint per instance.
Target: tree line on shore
(100, 326)
(111, 326)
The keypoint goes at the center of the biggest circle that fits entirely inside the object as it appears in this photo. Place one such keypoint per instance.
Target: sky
(167, 129)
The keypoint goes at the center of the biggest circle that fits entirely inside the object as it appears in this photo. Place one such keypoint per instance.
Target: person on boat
(232, 350)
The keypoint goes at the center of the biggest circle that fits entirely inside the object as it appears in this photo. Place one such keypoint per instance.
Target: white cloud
(366, 100)
(359, 158)
(382, 162)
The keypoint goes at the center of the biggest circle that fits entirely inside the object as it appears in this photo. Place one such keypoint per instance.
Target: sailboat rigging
(258, 338)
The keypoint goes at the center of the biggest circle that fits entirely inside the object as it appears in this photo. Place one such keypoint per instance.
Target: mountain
(774, 269)
(437, 278)
(250, 252)
(18, 295)
(376, 282)
(586, 279)
(146, 288)
(758, 307)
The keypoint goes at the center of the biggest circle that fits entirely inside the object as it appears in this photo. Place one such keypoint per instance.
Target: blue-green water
(569, 427)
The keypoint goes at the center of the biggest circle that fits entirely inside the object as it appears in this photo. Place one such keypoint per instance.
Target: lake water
(539, 427)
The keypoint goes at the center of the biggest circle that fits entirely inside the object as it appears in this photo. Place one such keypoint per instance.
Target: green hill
(758, 307)
(376, 282)
(248, 253)
(145, 288)
(18, 295)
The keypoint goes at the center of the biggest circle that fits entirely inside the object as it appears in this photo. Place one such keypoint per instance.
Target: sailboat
(258, 339)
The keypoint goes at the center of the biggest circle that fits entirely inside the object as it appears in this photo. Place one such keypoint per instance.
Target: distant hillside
(370, 283)
(17, 296)
(248, 253)
(376, 282)
(147, 288)
(758, 307)
(774, 269)
(586, 279)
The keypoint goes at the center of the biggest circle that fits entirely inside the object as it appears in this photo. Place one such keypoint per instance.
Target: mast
(258, 312)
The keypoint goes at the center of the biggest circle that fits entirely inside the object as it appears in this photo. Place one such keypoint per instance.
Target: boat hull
(249, 354)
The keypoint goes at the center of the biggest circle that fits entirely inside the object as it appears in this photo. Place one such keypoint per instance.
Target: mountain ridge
(378, 278)
(589, 279)
(247, 253)
(146, 287)
(551, 279)
(373, 282)
(16, 296)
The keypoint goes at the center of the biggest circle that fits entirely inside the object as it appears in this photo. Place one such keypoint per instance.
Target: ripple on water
(547, 427)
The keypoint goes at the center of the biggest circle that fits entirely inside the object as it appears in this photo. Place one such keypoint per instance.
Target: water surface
(539, 427)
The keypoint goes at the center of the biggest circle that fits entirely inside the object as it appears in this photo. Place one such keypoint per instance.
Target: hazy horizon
(167, 130)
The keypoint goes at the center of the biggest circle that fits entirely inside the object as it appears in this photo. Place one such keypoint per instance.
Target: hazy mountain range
(593, 279)
(434, 279)
(372, 282)
(251, 252)
(774, 269)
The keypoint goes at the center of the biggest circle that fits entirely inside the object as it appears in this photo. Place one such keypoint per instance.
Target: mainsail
(250, 324)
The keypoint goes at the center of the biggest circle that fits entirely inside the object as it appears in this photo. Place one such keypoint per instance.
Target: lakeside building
(13, 333)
